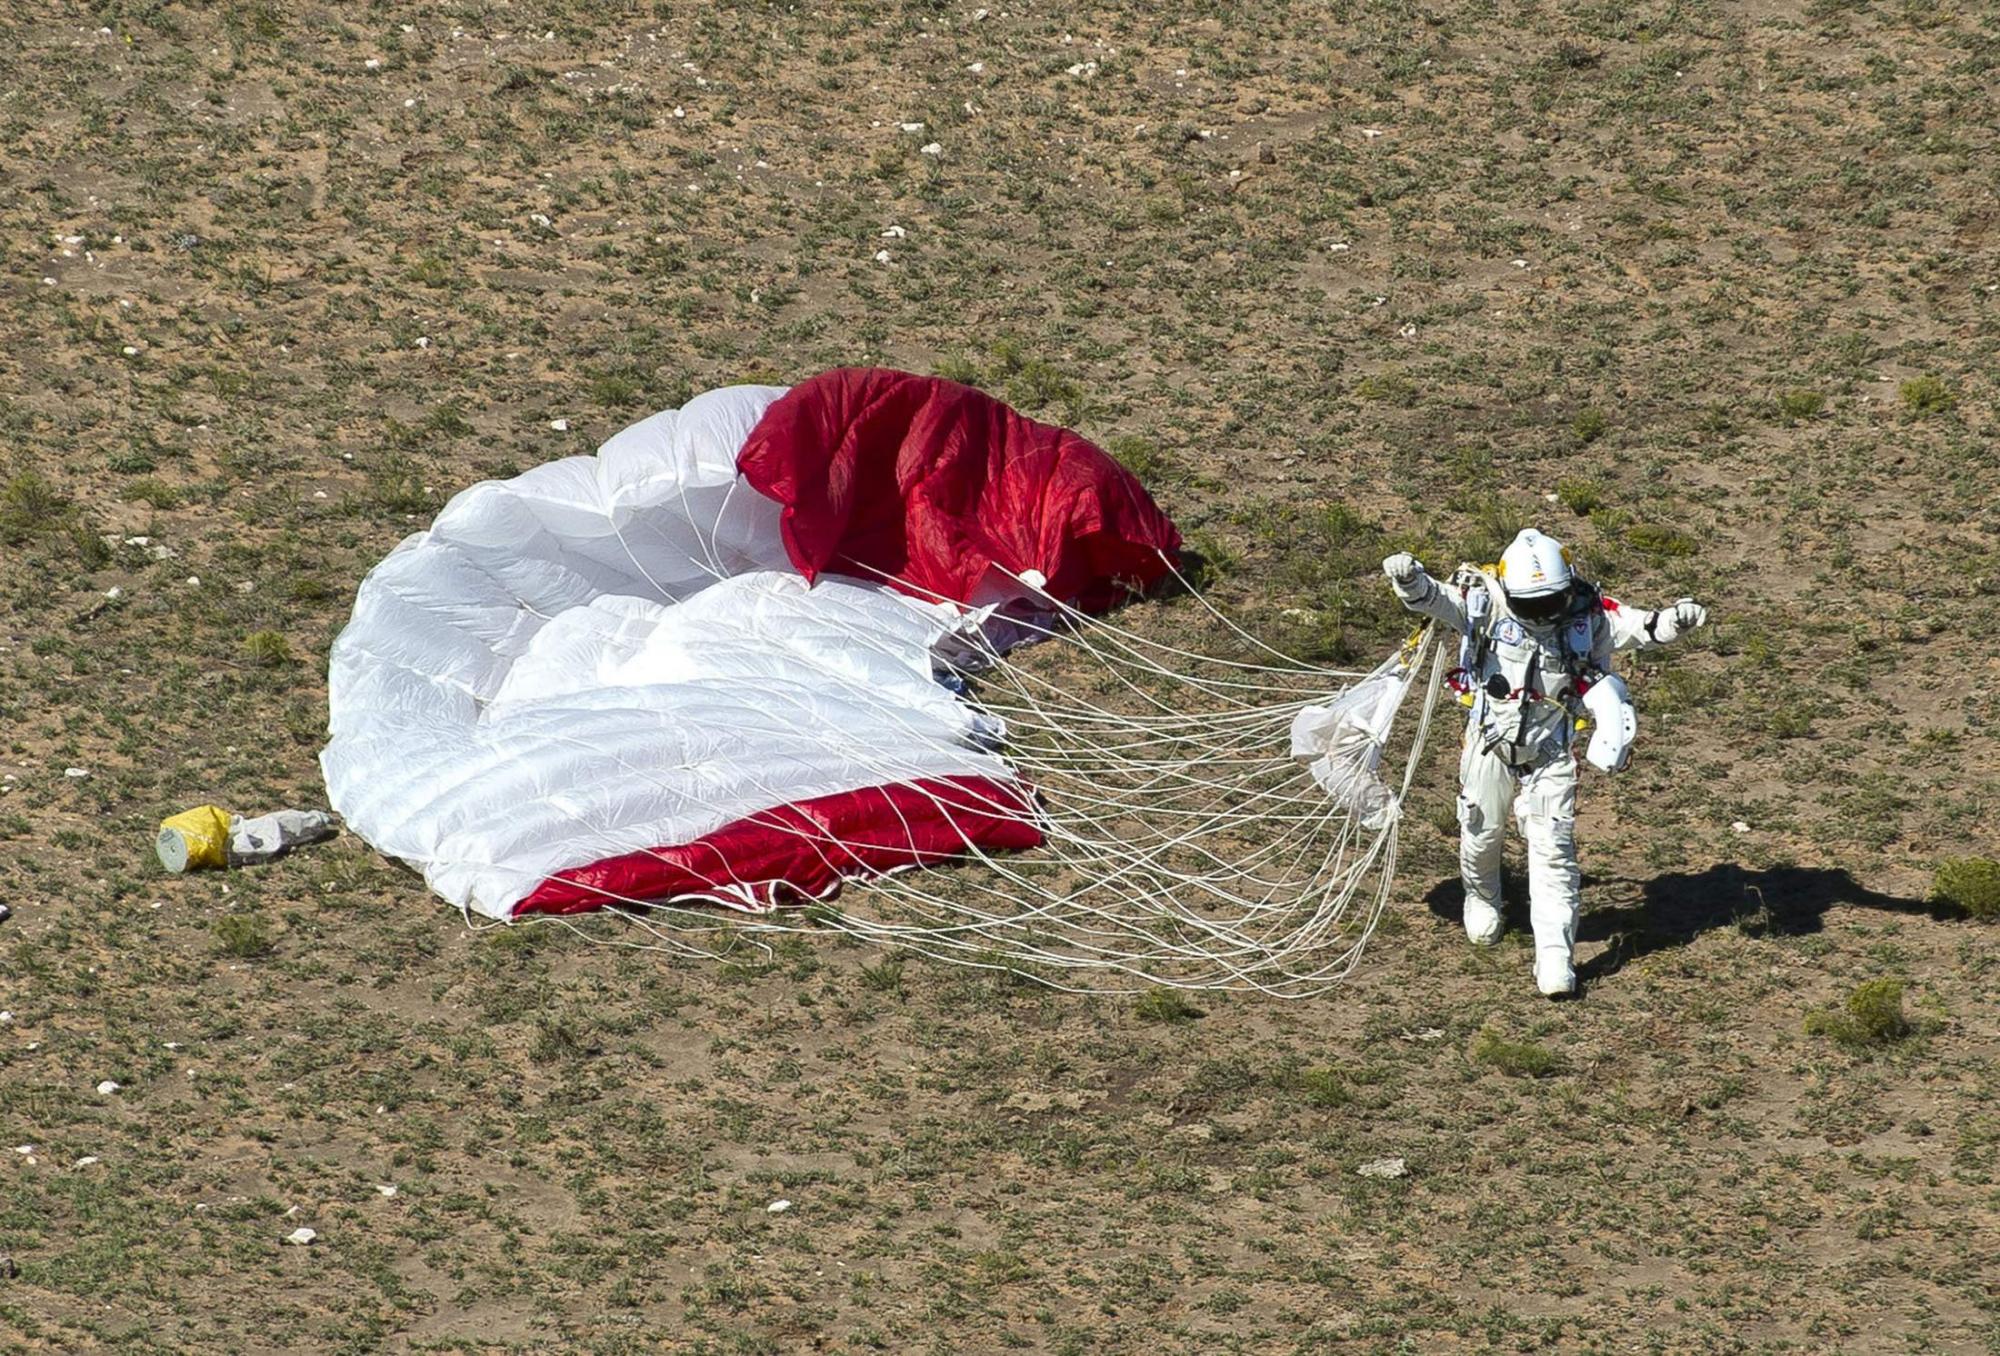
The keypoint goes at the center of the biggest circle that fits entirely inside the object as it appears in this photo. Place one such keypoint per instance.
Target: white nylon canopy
(610, 653)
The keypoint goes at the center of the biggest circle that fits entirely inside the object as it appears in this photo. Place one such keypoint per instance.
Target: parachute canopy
(705, 662)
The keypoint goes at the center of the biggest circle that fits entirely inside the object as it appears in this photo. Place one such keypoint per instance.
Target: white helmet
(1535, 572)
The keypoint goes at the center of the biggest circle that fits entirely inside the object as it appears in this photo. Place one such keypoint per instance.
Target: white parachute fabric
(611, 653)
(1342, 743)
(1183, 847)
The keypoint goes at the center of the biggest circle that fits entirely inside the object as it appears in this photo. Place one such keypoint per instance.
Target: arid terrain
(1710, 290)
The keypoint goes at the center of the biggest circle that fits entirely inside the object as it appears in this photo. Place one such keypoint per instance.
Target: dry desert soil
(1711, 290)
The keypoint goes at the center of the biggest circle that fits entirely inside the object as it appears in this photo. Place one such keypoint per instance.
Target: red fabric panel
(804, 849)
(929, 482)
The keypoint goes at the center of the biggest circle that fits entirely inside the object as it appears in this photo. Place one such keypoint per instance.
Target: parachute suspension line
(1182, 845)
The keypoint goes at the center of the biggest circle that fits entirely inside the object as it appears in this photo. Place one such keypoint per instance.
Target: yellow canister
(194, 840)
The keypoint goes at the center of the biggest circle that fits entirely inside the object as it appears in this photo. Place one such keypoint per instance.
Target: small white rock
(895, 233)
(1739, 827)
(1383, 1167)
(977, 68)
(77, 772)
(932, 148)
(423, 341)
(910, 126)
(106, 1088)
(86, 1161)
(131, 352)
(881, 256)
(194, 581)
(301, 1237)
(777, 1207)
(559, 425)
(386, 1192)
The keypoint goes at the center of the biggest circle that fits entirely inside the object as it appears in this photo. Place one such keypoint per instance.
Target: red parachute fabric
(803, 850)
(924, 483)
(885, 474)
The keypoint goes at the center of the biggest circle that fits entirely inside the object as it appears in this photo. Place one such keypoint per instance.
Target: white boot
(1554, 975)
(1482, 921)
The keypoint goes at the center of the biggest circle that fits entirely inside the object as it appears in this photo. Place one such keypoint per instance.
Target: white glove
(1671, 623)
(1403, 569)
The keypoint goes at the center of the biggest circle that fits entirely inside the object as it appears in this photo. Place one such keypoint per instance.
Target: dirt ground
(1711, 290)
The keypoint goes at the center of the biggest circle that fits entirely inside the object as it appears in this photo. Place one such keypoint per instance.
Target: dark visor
(1541, 608)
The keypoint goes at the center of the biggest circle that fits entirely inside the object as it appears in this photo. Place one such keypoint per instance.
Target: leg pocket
(1470, 818)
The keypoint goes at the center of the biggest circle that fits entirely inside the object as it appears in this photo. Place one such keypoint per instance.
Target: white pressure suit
(1525, 677)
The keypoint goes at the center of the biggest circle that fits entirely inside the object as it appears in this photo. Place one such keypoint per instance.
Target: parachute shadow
(1780, 901)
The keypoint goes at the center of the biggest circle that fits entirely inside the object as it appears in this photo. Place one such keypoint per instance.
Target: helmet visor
(1543, 607)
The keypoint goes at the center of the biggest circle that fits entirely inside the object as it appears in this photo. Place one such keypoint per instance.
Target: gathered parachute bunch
(789, 647)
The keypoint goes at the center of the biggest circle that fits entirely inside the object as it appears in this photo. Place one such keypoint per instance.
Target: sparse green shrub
(147, 490)
(1516, 1059)
(1926, 395)
(87, 543)
(1800, 404)
(267, 649)
(398, 487)
(557, 1038)
(1324, 1088)
(29, 504)
(885, 976)
(959, 368)
(243, 935)
(1871, 1017)
(1212, 560)
(1144, 458)
(431, 271)
(1590, 425)
(1970, 884)
(1387, 388)
(614, 389)
(1656, 539)
(1580, 495)
(1167, 1006)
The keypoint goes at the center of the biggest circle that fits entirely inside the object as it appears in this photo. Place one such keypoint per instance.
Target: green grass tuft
(1590, 425)
(1969, 884)
(1167, 1006)
(1800, 404)
(1655, 539)
(1871, 1017)
(1926, 395)
(1516, 1059)
(267, 649)
(1580, 495)
(243, 935)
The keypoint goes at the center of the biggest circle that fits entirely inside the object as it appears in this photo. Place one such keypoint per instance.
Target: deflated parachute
(704, 663)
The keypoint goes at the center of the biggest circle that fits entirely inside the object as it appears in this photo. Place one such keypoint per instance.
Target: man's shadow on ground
(1672, 910)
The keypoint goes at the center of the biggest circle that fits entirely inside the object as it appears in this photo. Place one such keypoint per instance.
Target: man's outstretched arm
(1636, 629)
(1422, 594)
